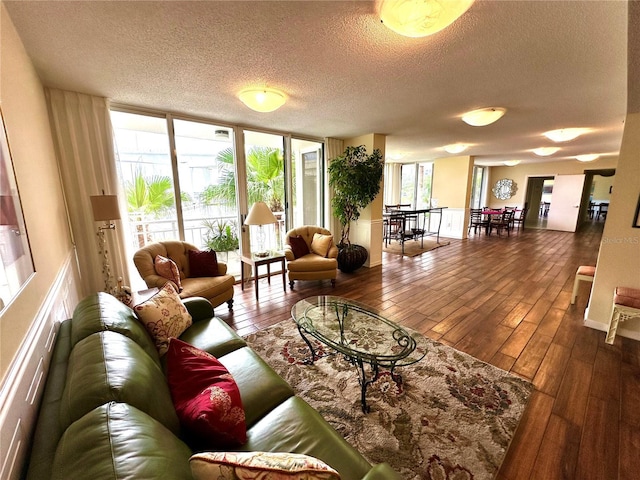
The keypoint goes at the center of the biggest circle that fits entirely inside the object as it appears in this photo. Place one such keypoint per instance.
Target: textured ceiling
(552, 64)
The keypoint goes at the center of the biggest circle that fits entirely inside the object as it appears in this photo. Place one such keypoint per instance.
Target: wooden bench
(585, 273)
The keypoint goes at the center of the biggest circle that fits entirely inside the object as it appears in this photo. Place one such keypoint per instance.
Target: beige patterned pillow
(164, 316)
(167, 268)
(262, 465)
(321, 244)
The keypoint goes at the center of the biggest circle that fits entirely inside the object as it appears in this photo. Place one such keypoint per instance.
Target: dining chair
(501, 223)
(476, 220)
(520, 218)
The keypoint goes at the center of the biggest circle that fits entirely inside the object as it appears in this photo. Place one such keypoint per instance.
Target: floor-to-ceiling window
(408, 184)
(416, 181)
(478, 186)
(307, 175)
(264, 156)
(193, 193)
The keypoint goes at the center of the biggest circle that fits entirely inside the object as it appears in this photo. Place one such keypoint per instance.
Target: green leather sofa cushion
(261, 389)
(214, 337)
(294, 426)
(101, 312)
(107, 366)
(117, 441)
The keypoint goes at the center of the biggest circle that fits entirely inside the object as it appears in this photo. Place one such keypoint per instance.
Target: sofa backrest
(110, 367)
(103, 312)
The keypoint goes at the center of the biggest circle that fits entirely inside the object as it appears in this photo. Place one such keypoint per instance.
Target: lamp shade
(260, 214)
(105, 207)
(262, 99)
(419, 18)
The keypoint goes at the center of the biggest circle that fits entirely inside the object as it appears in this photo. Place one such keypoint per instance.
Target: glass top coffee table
(358, 332)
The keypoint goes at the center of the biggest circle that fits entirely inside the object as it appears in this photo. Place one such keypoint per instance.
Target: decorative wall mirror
(504, 189)
(16, 263)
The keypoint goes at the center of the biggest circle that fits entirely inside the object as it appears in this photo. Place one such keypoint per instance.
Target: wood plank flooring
(506, 301)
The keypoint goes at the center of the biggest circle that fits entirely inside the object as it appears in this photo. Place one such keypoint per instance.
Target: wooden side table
(254, 261)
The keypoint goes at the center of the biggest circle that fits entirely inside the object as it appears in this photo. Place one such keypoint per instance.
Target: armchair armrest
(222, 268)
(333, 252)
(288, 253)
(199, 308)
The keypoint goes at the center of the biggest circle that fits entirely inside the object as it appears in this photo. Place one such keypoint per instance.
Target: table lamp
(105, 209)
(260, 215)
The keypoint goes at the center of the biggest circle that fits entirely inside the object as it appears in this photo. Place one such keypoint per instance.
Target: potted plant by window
(221, 237)
(355, 178)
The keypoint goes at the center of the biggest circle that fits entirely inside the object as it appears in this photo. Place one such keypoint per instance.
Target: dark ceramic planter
(352, 257)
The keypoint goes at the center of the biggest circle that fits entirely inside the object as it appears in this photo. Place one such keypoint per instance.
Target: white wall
(619, 257)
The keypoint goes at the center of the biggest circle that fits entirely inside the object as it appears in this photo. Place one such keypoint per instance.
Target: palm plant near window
(265, 179)
(148, 197)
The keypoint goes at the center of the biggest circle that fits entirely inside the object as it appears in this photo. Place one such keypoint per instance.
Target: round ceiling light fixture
(545, 151)
(483, 116)
(565, 134)
(262, 99)
(590, 157)
(511, 163)
(420, 18)
(456, 147)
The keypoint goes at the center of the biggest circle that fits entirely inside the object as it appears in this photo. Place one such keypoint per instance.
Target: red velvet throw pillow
(203, 263)
(298, 246)
(206, 398)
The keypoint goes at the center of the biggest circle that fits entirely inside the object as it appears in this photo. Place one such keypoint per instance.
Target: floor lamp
(260, 215)
(105, 209)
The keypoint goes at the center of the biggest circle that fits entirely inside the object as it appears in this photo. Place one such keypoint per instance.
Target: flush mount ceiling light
(511, 163)
(565, 134)
(590, 157)
(262, 99)
(483, 116)
(545, 151)
(419, 18)
(456, 147)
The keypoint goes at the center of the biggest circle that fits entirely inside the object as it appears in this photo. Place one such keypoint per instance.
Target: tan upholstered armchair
(317, 262)
(217, 289)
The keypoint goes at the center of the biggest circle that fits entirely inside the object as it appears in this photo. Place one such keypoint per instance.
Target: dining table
(412, 224)
(491, 212)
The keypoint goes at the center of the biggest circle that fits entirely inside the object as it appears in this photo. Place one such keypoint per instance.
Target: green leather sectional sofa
(107, 411)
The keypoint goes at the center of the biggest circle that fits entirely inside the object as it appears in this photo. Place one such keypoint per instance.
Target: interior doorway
(598, 185)
(538, 200)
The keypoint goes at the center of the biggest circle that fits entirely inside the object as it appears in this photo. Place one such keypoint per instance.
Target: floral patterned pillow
(167, 268)
(206, 398)
(259, 465)
(164, 316)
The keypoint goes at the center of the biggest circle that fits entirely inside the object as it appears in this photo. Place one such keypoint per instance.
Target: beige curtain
(333, 147)
(83, 139)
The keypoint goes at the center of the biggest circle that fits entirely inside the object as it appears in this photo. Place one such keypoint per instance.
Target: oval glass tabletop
(358, 330)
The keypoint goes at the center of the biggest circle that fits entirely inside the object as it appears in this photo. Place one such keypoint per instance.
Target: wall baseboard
(21, 390)
(621, 332)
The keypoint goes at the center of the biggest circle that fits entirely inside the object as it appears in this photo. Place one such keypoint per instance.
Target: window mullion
(176, 177)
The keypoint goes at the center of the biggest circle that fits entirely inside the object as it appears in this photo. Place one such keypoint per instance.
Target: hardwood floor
(506, 301)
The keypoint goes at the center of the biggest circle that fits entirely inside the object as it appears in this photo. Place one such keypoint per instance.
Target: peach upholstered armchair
(311, 254)
(217, 287)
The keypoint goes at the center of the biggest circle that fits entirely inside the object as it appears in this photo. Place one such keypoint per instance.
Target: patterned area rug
(413, 248)
(452, 417)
